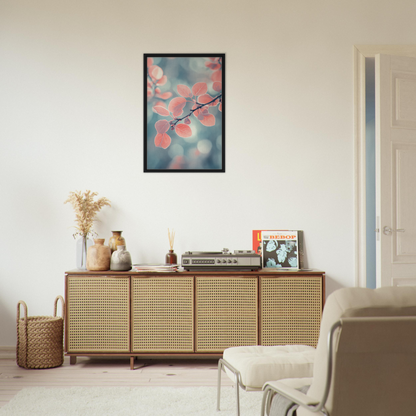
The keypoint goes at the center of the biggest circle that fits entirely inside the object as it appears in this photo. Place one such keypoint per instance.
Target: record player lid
(203, 252)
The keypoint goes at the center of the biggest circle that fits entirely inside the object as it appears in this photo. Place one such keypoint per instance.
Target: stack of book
(155, 267)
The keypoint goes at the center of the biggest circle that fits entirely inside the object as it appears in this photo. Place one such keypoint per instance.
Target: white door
(396, 170)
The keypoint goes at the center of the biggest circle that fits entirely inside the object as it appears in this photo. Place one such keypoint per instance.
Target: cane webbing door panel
(162, 314)
(291, 309)
(226, 312)
(98, 314)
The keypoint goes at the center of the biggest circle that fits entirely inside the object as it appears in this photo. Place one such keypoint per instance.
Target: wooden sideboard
(194, 314)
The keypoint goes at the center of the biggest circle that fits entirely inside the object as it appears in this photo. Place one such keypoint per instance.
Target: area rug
(130, 401)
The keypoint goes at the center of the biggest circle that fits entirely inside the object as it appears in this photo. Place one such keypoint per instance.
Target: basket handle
(24, 340)
(21, 302)
(56, 306)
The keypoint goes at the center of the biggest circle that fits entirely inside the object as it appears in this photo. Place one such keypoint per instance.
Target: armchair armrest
(291, 393)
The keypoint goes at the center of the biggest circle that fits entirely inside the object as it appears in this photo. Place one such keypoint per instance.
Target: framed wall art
(184, 112)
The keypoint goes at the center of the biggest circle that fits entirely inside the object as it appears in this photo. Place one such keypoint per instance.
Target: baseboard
(7, 352)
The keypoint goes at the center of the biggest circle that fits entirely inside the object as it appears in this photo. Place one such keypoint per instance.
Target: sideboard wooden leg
(131, 363)
(72, 359)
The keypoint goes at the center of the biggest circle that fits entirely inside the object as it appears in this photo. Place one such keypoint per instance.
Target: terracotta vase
(98, 256)
(116, 240)
(121, 259)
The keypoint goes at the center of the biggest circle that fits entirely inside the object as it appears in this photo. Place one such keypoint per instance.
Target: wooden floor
(109, 372)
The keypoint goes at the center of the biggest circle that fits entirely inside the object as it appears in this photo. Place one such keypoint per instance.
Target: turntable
(240, 260)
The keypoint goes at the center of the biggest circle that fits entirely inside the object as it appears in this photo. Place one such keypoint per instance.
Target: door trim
(360, 53)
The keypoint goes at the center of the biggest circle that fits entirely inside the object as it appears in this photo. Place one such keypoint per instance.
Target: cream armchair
(365, 362)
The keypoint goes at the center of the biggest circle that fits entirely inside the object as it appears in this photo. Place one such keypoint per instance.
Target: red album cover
(257, 241)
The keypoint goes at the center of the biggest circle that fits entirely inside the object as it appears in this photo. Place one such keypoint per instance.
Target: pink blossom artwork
(184, 113)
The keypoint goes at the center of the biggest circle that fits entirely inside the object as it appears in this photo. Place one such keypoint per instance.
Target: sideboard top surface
(262, 272)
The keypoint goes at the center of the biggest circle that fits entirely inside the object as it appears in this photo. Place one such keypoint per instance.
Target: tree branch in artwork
(197, 95)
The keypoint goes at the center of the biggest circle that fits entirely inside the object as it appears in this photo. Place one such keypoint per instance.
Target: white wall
(71, 118)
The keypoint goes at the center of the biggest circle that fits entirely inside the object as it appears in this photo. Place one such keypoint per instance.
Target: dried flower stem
(85, 210)
(171, 236)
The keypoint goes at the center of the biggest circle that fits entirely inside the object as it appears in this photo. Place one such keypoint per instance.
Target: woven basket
(40, 338)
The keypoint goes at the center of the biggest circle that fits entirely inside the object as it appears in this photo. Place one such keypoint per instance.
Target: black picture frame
(184, 112)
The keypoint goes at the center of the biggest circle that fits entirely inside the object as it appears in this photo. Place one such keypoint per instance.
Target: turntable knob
(225, 250)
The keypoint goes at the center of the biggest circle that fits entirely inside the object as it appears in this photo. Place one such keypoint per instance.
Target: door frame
(360, 53)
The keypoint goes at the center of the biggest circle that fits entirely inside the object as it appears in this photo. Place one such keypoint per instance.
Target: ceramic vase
(116, 240)
(98, 256)
(121, 259)
(82, 246)
(171, 258)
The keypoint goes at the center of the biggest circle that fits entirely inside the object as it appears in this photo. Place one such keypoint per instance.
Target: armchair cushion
(258, 364)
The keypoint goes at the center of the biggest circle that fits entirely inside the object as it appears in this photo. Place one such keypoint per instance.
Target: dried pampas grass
(85, 210)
